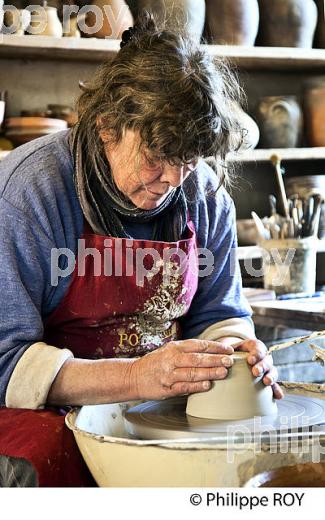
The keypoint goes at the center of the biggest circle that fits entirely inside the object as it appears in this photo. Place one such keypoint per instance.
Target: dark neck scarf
(106, 208)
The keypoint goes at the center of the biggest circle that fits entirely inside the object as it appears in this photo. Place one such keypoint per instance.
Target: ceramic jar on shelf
(287, 23)
(47, 22)
(178, 15)
(113, 17)
(249, 131)
(280, 120)
(16, 21)
(232, 22)
(314, 105)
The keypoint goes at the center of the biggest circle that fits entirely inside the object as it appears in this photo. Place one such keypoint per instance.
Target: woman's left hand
(262, 363)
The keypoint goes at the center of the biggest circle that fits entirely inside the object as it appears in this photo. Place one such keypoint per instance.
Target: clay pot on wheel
(239, 396)
(109, 20)
(280, 121)
(315, 115)
(182, 15)
(287, 23)
(232, 22)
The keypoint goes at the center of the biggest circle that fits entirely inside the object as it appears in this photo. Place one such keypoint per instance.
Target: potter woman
(79, 324)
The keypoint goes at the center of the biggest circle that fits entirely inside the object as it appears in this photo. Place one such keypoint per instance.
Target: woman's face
(144, 180)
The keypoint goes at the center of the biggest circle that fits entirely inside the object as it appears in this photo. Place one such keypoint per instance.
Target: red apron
(125, 300)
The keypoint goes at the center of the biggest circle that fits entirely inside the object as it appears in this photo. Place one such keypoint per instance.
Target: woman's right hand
(179, 368)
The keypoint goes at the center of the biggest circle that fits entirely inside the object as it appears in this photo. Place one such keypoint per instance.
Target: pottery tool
(168, 420)
(276, 161)
(315, 217)
(297, 341)
(263, 232)
(273, 203)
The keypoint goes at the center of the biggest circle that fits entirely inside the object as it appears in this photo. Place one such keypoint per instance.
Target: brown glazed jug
(181, 15)
(287, 23)
(232, 22)
(280, 121)
(315, 115)
(115, 18)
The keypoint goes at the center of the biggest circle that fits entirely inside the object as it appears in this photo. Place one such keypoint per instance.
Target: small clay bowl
(239, 396)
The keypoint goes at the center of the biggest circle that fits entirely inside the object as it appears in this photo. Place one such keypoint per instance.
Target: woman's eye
(152, 163)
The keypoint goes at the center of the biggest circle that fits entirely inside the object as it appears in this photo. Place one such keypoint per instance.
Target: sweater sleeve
(27, 366)
(219, 307)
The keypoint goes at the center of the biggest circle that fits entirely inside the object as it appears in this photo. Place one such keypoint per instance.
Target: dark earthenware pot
(280, 121)
(232, 22)
(314, 104)
(179, 15)
(287, 23)
(114, 24)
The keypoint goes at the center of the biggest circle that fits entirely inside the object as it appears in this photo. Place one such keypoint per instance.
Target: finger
(263, 366)
(204, 346)
(194, 375)
(277, 391)
(270, 377)
(256, 350)
(186, 388)
(194, 360)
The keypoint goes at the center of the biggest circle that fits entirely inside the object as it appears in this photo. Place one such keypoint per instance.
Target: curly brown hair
(168, 89)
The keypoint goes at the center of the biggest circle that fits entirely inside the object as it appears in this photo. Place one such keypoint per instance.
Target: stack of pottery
(232, 22)
(287, 23)
(315, 114)
(280, 120)
(21, 130)
(180, 15)
(63, 112)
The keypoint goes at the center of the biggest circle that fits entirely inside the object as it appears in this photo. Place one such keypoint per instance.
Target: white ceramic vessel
(116, 460)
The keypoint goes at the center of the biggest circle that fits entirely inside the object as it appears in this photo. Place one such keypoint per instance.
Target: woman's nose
(174, 175)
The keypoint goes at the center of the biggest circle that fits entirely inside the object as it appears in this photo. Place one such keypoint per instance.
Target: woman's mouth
(157, 195)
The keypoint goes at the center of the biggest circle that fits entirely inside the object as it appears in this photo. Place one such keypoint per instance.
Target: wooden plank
(50, 48)
(268, 316)
(97, 50)
(286, 154)
(270, 58)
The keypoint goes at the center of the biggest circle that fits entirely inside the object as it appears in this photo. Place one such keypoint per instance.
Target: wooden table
(301, 313)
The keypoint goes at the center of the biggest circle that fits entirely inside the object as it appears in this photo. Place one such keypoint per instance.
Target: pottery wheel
(168, 420)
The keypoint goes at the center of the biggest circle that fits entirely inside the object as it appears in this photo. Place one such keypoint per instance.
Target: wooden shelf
(50, 48)
(286, 154)
(97, 50)
(271, 58)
